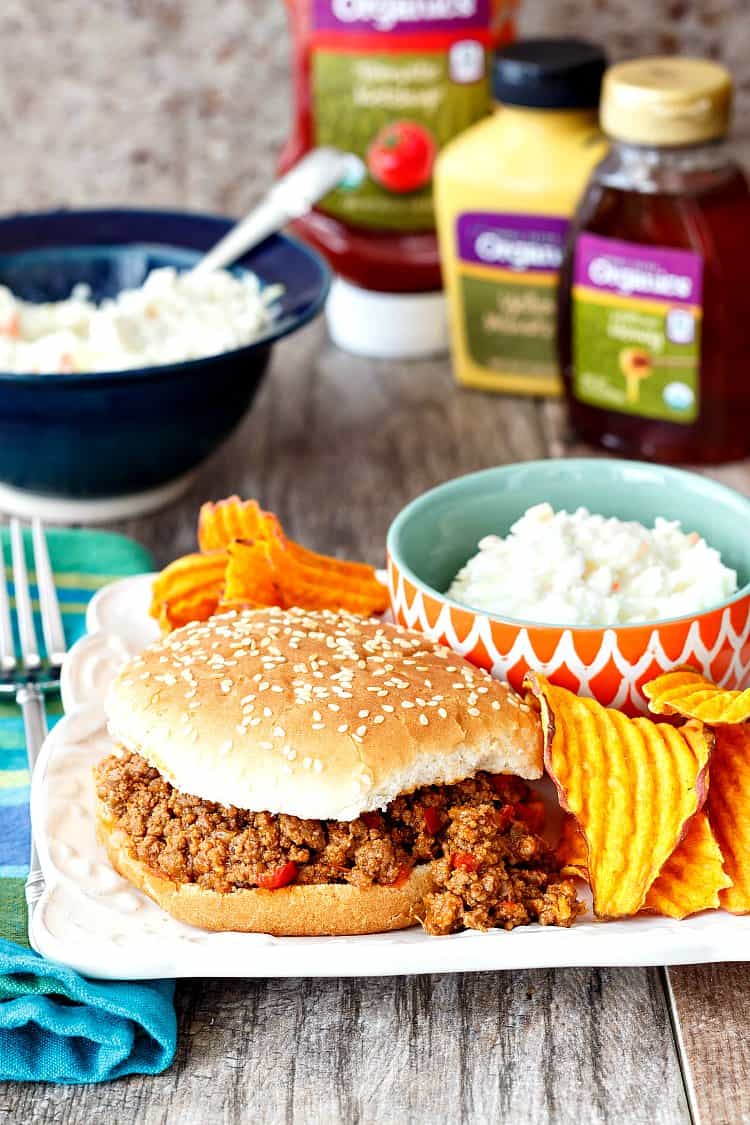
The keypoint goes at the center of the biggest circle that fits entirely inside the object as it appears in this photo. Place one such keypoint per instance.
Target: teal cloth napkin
(55, 1025)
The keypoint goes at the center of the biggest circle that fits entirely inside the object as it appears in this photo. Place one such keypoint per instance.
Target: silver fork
(24, 672)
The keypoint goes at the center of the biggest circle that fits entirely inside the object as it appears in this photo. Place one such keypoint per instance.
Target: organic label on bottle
(637, 328)
(393, 81)
(508, 267)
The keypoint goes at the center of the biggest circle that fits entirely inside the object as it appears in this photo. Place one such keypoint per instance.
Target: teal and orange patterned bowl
(431, 539)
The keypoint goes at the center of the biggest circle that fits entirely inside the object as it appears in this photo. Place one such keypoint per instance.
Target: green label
(395, 110)
(637, 329)
(510, 327)
(508, 267)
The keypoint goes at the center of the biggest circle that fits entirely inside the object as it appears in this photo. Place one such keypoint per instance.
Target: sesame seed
(379, 719)
(266, 745)
(442, 713)
(361, 730)
(406, 703)
(306, 763)
(317, 716)
(343, 728)
(225, 746)
(279, 732)
(267, 712)
(474, 712)
(388, 707)
(495, 705)
(333, 707)
(318, 726)
(255, 722)
(194, 705)
(363, 713)
(317, 765)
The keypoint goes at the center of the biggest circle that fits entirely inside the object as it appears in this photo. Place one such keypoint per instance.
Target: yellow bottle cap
(666, 101)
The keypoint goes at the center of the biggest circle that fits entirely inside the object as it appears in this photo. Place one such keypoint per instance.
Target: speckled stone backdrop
(186, 101)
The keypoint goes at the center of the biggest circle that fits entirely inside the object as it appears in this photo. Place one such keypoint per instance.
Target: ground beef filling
(490, 867)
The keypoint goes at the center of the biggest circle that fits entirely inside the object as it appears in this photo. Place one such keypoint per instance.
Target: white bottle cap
(387, 325)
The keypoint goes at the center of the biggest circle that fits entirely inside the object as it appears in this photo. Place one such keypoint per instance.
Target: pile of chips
(246, 561)
(658, 813)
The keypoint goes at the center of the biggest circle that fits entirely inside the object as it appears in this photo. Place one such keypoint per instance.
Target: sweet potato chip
(693, 876)
(249, 576)
(729, 812)
(355, 589)
(190, 581)
(341, 568)
(632, 784)
(246, 560)
(220, 523)
(688, 693)
(571, 851)
(172, 615)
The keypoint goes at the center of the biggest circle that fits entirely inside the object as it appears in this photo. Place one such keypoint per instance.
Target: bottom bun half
(313, 910)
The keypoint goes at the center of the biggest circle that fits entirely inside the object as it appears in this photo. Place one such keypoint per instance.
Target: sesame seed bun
(318, 715)
(314, 910)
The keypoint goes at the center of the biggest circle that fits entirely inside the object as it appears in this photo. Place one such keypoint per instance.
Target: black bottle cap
(549, 74)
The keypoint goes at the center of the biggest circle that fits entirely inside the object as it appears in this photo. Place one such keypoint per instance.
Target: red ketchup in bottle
(391, 81)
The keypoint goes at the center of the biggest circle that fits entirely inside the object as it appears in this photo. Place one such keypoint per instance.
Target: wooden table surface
(336, 445)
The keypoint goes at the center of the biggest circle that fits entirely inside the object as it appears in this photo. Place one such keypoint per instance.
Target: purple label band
(400, 15)
(632, 270)
(526, 243)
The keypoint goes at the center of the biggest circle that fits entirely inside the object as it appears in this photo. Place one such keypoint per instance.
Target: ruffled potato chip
(687, 693)
(247, 561)
(571, 851)
(249, 576)
(729, 812)
(188, 589)
(353, 586)
(632, 784)
(693, 877)
(690, 881)
(220, 523)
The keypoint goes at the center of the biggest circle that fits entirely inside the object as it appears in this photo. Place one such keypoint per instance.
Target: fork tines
(29, 658)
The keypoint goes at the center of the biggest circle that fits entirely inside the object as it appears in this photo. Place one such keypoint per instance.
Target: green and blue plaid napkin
(55, 1025)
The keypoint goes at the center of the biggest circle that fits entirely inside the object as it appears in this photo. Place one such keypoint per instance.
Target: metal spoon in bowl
(290, 197)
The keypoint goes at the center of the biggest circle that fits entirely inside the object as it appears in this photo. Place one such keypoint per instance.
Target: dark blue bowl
(123, 432)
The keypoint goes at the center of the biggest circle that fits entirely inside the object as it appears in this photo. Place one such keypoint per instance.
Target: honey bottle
(654, 298)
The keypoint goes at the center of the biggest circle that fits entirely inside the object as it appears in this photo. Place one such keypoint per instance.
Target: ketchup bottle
(391, 81)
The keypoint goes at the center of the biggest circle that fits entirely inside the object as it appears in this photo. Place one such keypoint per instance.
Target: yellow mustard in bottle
(504, 193)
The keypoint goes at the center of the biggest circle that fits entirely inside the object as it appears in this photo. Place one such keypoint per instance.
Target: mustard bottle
(504, 193)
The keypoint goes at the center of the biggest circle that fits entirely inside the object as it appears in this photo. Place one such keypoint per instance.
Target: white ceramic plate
(95, 921)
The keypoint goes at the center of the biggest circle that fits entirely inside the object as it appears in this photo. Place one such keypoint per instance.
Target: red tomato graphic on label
(401, 156)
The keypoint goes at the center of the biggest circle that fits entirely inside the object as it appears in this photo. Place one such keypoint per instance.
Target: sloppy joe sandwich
(298, 772)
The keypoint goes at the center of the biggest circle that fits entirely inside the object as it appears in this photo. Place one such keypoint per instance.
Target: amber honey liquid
(708, 213)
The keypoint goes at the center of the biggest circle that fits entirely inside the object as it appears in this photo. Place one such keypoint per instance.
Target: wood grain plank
(563, 1046)
(710, 1004)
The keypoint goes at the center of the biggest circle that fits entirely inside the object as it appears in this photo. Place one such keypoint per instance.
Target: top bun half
(318, 715)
